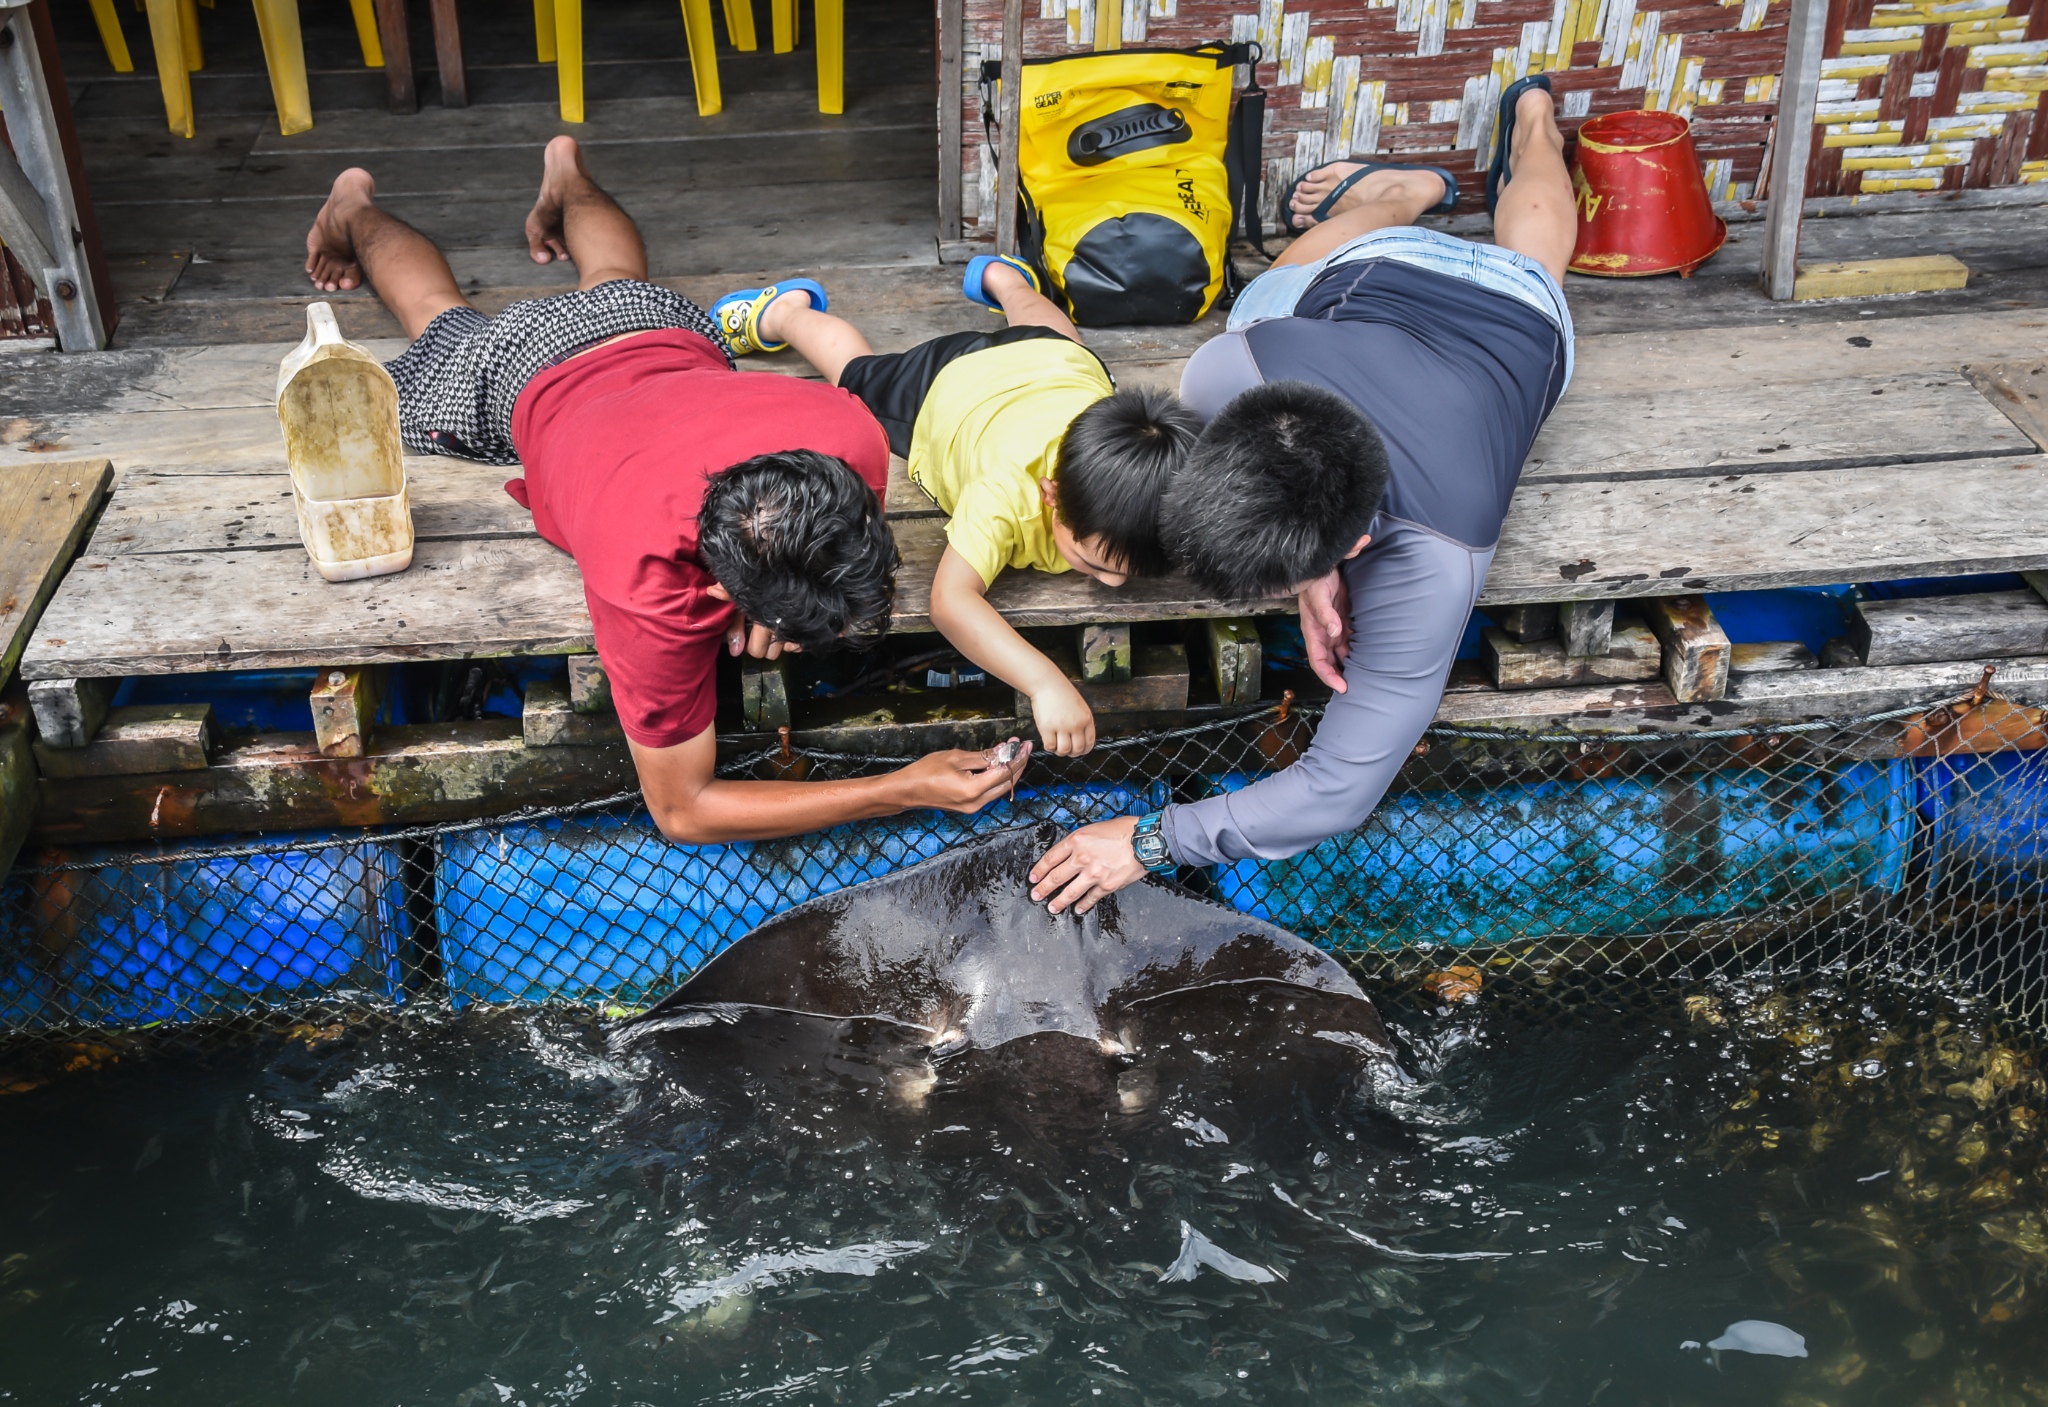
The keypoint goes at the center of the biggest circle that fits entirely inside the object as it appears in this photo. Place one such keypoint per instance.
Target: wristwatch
(1150, 846)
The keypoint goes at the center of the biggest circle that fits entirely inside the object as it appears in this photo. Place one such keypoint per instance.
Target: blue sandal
(1322, 211)
(977, 270)
(738, 315)
(1498, 175)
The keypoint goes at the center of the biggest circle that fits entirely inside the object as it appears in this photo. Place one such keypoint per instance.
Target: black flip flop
(1498, 175)
(1322, 211)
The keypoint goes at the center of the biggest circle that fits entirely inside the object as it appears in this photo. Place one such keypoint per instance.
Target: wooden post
(952, 93)
(1697, 653)
(448, 55)
(69, 711)
(1527, 623)
(139, 739)
(1587, 626)
(1238, 658)
(1105, 653)
(590, 691)
(1792, 147)
(391, 28)
(1012, 120)
(551, 719)
(764, 695)
(38, 115)
(345, 703)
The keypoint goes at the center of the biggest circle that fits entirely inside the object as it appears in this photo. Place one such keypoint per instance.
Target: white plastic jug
(339, 410)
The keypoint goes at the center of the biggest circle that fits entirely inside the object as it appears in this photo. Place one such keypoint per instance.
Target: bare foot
(561, 164)
(330, 249)
(1385, 184)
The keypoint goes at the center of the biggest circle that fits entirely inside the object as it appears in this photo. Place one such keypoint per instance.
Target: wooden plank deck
(196, 564)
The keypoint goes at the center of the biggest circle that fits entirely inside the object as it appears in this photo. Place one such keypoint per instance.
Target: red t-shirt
(617, 446)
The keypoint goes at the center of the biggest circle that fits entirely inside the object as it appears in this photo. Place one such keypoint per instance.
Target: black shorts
(893, 385)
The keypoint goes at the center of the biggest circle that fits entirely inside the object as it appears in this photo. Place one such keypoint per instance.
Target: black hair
(1278, 489)
(1114, 462)
(797, 537)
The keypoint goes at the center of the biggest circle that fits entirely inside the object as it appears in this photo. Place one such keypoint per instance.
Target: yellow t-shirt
(988, 431)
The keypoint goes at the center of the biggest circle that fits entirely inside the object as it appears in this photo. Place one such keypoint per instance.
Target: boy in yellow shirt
(1021, 437)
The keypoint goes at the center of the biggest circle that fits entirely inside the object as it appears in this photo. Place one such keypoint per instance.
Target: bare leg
(575, 220)
(352, 242)
(826, 342)
(1383, 200)
(1023, 305)
(1536, 214)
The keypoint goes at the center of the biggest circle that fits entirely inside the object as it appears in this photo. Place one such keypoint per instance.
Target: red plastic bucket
(1643, 206)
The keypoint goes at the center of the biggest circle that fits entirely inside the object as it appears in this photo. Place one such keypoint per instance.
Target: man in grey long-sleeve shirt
(1446, 356)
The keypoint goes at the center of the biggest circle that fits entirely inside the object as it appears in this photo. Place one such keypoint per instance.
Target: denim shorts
(1274, 293)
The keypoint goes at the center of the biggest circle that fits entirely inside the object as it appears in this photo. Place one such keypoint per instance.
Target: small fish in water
(1758, 1336)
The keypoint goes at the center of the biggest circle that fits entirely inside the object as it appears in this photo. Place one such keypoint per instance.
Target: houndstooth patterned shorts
(458, 381)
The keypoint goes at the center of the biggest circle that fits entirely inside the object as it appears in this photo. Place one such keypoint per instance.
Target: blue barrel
(1591, 859)
(1987, 817)
(149, 937)
(605, 909)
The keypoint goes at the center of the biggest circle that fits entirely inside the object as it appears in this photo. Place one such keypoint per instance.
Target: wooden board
(1667, 537)
(1869, 278)
(1612, 433)
(1929, 629)
(2020, 389)
(44, 510)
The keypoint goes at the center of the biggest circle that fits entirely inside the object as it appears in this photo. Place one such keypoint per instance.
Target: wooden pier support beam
(1932, 629)
(1526, 623)
(1587, 627)
(142, 738)
(1105, 652)
(69, 711)
(764, 695)
(590, 689)
(1238, 658)
(1632, 654)
(345, 704)
(550, 718)
(1697, 651)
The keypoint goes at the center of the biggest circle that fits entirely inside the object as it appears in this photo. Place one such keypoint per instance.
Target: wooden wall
(1920, 95)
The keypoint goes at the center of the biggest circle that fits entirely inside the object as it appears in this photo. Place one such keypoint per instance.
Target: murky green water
(1544, 1204)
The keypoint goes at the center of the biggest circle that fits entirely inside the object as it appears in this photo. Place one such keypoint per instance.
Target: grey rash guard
(1457, 379)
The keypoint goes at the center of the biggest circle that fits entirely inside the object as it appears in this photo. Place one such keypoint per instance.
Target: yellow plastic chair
(558, 39)
(174, 35)
(831, 20)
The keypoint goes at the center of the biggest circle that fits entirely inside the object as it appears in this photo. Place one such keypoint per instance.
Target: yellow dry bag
(1130, 179)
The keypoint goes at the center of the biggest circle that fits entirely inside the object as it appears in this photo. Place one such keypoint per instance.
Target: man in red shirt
(703, 505)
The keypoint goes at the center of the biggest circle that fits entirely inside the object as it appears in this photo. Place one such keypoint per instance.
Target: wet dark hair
(1281, 485)
(1113, 464)
(797, 537)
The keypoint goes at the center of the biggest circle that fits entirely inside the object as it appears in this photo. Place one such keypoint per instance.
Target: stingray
(944, 990)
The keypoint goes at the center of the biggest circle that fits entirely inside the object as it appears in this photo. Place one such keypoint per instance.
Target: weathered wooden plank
(1632, 654)
(280, 782)
(1870, 278)
(764, 694)
(2020, 389)
(590, 689)
(550, 719)
(142, 738)
(1769, 657)
(44, 510)
(184, 613)
(1533, 622)
(345, 704)
(1039, 598)
(1696, 649)
(1586, 628)
(1237, 659)
(1663, 537)
(1616, 432)
(1105, 652)
(1935, 628)
(1158, 683)
(69, 711)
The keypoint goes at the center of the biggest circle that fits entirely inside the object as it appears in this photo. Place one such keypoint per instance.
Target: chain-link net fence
(1912, 842)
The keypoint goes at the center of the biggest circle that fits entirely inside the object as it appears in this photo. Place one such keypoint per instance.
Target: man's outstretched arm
(693, 806)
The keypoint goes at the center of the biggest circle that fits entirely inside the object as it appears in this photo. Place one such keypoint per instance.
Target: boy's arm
(693, 806)
(961, 611)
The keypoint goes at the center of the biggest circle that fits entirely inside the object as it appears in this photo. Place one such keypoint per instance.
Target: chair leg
(782, 20)
(830, 18)
(448, 54)
(739, 25)
(109, 21)
(188, 26)
(544, 30)
(365, 12)
(569, 57)
(703, 57)
(167, 38)
(396, 34)
(284, 52)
